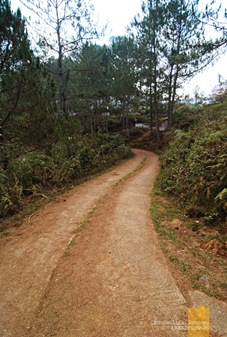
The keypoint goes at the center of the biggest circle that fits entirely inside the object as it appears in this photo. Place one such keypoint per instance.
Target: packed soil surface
(89, 264)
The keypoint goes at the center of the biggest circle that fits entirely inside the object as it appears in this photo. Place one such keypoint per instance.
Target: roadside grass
(85, 221)
(184, 266)
(34, 203)
(71, 244)
(78, 229)
(184, 248)
(127, 176)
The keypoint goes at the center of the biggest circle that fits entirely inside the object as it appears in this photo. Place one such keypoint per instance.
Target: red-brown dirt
(89, 264)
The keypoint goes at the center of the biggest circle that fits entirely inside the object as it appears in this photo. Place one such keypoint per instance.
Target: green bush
(31, 169)
(10, 195)
(194, 168)
(33, 172)
(189, 116)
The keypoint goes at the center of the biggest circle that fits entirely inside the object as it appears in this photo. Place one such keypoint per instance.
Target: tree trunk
(61, 82)
(170, 98)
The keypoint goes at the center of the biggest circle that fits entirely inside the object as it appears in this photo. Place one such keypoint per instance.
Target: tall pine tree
(26, 92)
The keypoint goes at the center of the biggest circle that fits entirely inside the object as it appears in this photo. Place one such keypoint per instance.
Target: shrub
(33, 172)
(34, 168)
(10, 195)
(195, 168)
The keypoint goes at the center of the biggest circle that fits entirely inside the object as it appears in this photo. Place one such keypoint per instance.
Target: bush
(194, 168)
(31, 173)
(188, 116)
(34, 168)
(10, 195)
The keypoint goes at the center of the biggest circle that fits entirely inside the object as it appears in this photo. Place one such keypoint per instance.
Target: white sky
(208, 79)
(119, 13)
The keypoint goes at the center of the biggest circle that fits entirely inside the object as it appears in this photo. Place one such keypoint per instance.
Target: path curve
(109, 279)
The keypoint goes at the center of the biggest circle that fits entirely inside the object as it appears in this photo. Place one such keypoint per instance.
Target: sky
(119, 13)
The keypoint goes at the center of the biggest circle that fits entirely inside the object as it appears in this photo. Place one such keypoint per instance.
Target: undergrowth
(30, 175)
(192, 189)
(194, 166)
(183, 247)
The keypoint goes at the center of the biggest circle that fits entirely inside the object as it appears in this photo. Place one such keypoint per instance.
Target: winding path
(107, 279)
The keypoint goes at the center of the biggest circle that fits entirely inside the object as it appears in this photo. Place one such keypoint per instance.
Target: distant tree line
(76, 84)
(64, 100)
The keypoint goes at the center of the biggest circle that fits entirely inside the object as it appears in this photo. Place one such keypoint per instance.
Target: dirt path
(110, 279)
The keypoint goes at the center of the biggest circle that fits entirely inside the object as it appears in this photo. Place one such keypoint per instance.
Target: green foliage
(186, 116)
(194, 167)
(183, 265)
(31, 173)
(26, 90)
(168, 37)
(10, 195)
(221, 199)
(32, 169)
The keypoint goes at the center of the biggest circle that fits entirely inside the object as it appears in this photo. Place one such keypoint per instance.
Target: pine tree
(90, 84)
(26, 91)
(148, 33)
(171, 49)
(62, 27)
(123, 74)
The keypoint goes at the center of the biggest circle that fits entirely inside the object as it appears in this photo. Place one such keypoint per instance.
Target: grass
(78, 229)
(195, 251)
(36, 202)
(82, 225)
(71, 243)
(184, 266)
(4, 234)
(162, 210)
(127, 176)
(183, 247)
(195, 226)
(169, 233)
